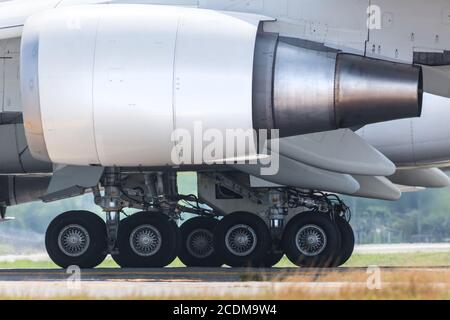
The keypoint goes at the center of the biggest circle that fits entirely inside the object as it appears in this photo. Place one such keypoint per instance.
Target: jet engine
(109, 85)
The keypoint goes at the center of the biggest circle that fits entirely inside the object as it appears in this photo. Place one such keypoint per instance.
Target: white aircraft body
(274, 104)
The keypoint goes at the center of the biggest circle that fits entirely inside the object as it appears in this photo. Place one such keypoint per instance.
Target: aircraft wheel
(76, 238)
(348, 241)
(147, 240)
(311, 240)
(197, 243)
(242, 239)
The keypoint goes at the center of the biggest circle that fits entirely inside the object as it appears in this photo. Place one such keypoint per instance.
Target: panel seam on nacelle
(2, 61)
(368, 31)
(94, 136)
(19, 153)
(174, 81)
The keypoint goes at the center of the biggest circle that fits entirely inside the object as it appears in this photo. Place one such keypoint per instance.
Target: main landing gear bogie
(153, 239)
(317, 233)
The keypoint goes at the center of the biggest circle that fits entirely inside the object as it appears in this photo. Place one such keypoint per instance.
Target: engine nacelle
(108, 85)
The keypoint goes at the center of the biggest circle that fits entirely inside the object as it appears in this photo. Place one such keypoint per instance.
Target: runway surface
(171, 274)
(359, 249)
(187, 274)
(192, 283)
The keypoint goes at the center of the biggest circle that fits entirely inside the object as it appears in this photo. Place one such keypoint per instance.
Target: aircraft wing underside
(342, 162)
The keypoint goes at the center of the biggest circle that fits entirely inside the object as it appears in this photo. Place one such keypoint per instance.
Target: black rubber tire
(95, 227)
(262, 246)
(324, 259)
(170, 241)
(347, 243)
(186, 229)
(272, 258)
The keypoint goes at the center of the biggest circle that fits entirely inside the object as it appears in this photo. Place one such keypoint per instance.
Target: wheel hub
(241, 240)
(73, 240)
(311, 240)
(145, 240)
(200, 243)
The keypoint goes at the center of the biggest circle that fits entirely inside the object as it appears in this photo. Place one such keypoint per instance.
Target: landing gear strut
(147, 239)
(112, 204)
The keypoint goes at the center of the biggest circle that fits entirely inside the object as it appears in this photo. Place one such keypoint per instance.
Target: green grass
(392, 260)
(29, 264)
(401, 259)
(358, 260)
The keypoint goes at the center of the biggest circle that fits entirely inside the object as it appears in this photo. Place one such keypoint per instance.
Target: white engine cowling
(109, 84)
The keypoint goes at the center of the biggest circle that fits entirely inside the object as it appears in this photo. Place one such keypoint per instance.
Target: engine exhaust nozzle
(310, 88)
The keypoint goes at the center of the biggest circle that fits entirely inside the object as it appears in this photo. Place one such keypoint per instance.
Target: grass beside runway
(412, 259)
(441, 259)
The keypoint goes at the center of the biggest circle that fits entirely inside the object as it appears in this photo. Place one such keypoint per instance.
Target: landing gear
(242, 239)
(147, 240)
(312, 240)
(317, 233)
(197, 248)
(76, 238)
